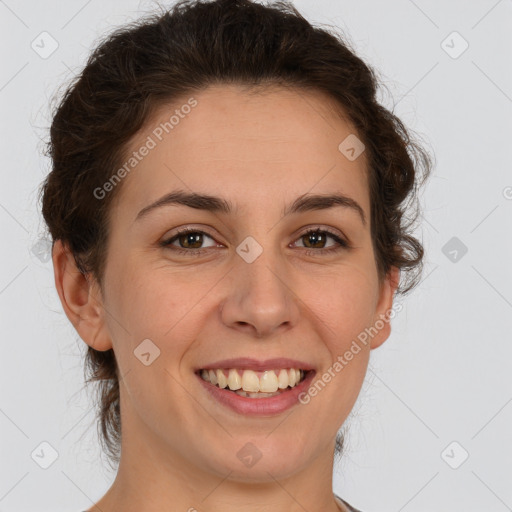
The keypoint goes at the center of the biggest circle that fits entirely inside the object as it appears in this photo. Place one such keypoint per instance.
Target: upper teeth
(268, 381)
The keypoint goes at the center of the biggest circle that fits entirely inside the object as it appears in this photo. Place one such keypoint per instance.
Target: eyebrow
(304, 203)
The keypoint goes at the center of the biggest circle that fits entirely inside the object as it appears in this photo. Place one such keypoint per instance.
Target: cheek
(148, 301)
(343, 306)
(344, 301)
(150, 304)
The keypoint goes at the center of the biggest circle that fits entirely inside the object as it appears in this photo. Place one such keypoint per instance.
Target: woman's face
(252, 286)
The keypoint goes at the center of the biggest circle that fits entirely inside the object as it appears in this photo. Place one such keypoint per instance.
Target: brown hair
(193, 45)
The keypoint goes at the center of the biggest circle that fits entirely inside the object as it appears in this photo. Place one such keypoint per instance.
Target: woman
(227, 207)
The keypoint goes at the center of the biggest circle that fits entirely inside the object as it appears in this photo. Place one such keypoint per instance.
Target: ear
(381, 321)
(81, 299)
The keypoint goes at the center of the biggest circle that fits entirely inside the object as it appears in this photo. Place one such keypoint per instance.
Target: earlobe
(381, 322)
(80, 298)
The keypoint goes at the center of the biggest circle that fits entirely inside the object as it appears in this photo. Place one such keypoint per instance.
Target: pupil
(189, 237)
(315, 236)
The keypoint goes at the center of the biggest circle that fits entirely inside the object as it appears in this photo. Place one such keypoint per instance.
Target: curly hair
(195, 44)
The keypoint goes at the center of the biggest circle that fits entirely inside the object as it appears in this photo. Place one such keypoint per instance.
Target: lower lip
(259, 406)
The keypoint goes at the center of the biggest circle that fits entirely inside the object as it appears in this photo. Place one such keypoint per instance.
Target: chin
(260, 459)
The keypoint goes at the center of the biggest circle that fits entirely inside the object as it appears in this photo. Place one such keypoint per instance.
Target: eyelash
(343, 244)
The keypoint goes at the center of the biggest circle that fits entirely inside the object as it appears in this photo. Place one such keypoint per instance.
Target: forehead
(262, 144)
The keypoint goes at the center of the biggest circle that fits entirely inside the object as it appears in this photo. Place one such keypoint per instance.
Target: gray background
(444, 374)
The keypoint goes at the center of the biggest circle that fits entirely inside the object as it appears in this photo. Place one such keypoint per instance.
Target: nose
(260, 300)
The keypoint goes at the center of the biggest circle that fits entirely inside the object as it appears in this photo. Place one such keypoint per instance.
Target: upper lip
(249, 363)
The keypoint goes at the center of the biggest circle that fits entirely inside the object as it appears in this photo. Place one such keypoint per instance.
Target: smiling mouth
(254, 384)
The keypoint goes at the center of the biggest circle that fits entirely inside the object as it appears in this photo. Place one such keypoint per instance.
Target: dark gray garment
(350, 507)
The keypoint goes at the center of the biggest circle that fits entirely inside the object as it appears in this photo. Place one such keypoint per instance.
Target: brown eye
(317, 238)
(191, 239)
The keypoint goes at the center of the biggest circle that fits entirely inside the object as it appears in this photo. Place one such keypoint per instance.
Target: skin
(179, 446)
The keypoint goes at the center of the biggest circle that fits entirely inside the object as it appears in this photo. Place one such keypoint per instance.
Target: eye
(190, 241)
(319, 236)
(188, 238)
